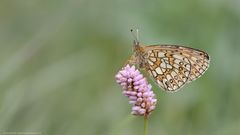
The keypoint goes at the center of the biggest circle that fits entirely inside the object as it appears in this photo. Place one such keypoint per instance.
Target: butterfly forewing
(172, 66)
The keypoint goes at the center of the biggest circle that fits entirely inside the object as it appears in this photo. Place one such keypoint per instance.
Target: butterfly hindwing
(173, 66)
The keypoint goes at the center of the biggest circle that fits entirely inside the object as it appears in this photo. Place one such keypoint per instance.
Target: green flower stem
(145, 125)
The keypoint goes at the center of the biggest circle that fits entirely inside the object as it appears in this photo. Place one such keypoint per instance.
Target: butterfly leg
(131, 61)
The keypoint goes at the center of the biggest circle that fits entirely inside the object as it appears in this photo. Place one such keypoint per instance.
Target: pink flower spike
(137, 89)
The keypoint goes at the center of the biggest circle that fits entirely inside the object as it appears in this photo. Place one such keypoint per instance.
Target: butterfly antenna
(135, 35)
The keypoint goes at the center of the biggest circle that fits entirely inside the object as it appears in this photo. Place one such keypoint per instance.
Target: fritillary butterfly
(170, 66)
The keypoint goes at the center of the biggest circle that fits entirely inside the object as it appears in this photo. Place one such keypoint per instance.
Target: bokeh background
(58, 59)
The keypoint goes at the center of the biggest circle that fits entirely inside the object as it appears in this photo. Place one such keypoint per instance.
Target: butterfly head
(136, 46)
(139, 54)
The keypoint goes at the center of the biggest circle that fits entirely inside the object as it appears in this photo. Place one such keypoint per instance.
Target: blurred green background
(58, 59)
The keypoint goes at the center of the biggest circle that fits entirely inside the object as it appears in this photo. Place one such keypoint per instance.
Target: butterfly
(170, 66)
